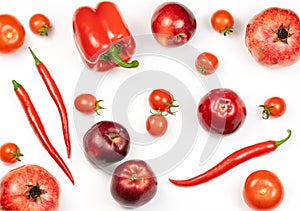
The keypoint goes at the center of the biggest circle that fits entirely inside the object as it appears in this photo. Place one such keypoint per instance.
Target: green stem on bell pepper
(113, 55)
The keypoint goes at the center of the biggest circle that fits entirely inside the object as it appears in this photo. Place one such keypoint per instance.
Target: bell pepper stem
(113, 55)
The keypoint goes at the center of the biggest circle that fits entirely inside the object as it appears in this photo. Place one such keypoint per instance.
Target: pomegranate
(273, 37)
(31, 188)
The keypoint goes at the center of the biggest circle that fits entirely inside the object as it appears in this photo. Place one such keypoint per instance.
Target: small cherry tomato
(156, 125)
(161, 100)
(206, 63)
(273, 106)
(263, 190)
(87, 103)
(10, 153)
(12, 34)
(222, 21)
(39, 24)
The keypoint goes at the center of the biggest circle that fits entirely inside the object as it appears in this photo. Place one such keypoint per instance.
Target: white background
(237, 70)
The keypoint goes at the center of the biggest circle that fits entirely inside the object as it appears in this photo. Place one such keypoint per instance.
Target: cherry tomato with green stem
(156, 125)
(162, 100)
(39, 24)
(10, 153)
(87, 103)
(263, 190)
(274, 107)
(206, 63)
(12, 34)
(222, 21)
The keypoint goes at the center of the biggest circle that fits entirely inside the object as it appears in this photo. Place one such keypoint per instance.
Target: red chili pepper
(233, 160)
(57, 98)
(38, 127)
(102, 37)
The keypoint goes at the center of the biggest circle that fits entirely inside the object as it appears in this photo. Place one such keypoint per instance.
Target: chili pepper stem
(278, 143)
(113, 55)
(16, 85)
(37, 61)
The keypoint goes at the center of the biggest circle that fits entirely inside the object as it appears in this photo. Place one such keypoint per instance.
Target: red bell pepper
(103, 38)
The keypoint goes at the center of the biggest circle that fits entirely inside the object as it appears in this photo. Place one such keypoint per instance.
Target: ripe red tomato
(12, 34)
(39, 24)
(222, 21)
(273, 106)
(263, 190)
(29, 187)
(10, 153)
(206, 63)
(222, 111)
(273, 36)
(161, 100)
(87, 103)
(156, 125)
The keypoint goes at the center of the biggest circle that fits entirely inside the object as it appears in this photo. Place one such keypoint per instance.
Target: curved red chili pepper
(38, 127)
(233, 160)
(57, 98)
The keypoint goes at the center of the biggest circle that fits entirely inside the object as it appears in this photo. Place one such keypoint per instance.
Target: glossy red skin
(159, 98)
(278, 106)
(222, 19)
(37, 22)
(13, 186)
(12, 34)
(156, 125)
(7, 151)
(96, 30)
(263, 190)
(260, 36)
(173, 24)
(206, 63)
(85, 103)
(136, 192)
(212, 117)
(99, 149)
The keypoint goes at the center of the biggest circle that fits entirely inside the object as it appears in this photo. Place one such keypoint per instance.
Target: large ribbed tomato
(221, 111)
(263, 190)
(12, 34)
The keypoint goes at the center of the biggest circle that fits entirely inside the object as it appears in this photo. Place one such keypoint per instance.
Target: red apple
(173, 24)
(105, 143)
(133, 184)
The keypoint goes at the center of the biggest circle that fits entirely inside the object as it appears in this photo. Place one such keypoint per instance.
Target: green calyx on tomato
(226, 31)
(266, 111)
(17, 155)
(273, 106)
(44, 30)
